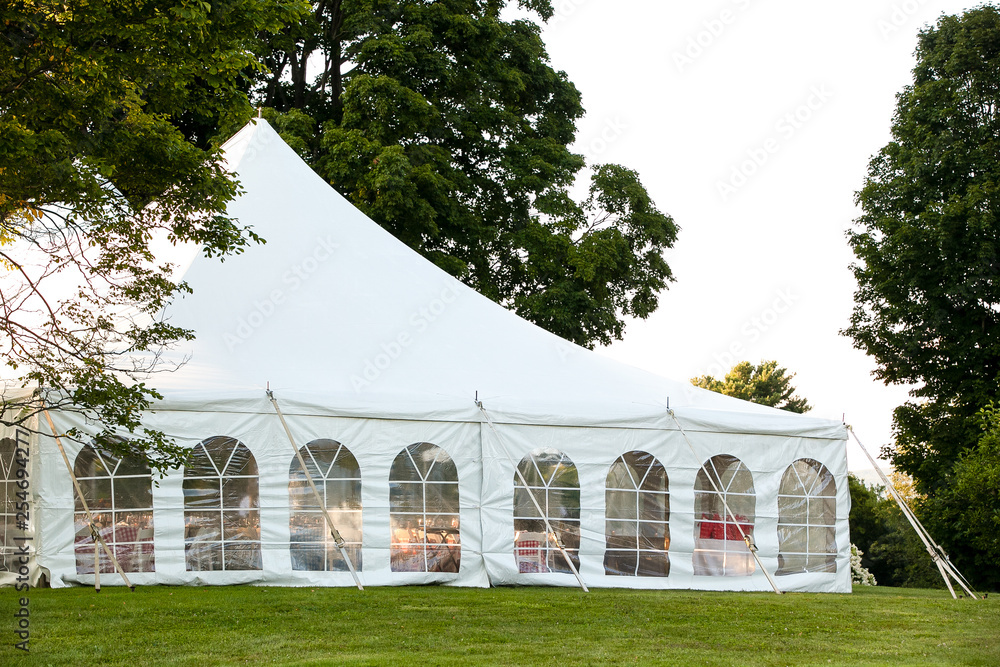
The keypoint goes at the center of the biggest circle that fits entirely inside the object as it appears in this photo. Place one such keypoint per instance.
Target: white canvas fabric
(366, 343)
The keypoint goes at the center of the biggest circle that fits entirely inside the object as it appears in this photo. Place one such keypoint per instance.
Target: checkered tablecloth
(121, 539)
(123, 533)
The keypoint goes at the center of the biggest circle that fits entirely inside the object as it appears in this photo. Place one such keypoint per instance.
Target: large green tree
(928, 248)
(447, 125)
(970, 503)
(99, 157)
(765, 383)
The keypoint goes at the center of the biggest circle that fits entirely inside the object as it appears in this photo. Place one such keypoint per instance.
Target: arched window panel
(9, 525)
(807, 518)
(337, 476)
(12, 493)
(221, 507)
(553, 482)
(719, 546)
(424, 511)
(637, 511)
(119, 493)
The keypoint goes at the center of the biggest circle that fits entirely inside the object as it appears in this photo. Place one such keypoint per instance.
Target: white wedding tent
(449, 441)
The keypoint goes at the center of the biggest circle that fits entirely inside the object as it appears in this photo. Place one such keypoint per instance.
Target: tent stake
(747, 539)
(538, 508)
(938, 555)
(90, 517)
(337, 538)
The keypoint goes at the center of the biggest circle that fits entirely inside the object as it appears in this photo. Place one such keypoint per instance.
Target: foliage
(905, 487)
(446, 124)
(901, 556)
(928, 303)
(229, 625)
(97, 163)
(970, 504)
(867, 517)
(927, 308)
(977, 487)
(889, 547)
(766, 384)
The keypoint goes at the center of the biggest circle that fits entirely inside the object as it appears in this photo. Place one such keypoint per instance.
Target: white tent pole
(947, 581)
(90, 517)
(962, 581)
(319, 499)
(935, 551)
(538, 508)
(914, 522)
(943, 563)
(932, 547)
(747, 539)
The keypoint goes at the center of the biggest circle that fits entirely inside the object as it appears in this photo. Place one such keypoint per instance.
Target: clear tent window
(807, 519)
(119, 494)
(337, 476)
(550, 484)
(723, 481)
(13, 491)
(637, 511)
(424, 516)
(221, 507)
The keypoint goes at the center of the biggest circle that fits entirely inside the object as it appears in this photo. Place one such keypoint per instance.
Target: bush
(860, 574)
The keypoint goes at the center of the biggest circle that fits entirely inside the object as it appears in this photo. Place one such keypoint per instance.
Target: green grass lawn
(500, 626)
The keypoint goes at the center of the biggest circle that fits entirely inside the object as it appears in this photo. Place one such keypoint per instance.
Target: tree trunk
(335, 60)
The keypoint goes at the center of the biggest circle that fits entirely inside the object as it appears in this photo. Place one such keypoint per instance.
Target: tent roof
(336, 315)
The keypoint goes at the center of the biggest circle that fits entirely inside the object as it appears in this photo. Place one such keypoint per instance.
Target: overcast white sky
(687, 93)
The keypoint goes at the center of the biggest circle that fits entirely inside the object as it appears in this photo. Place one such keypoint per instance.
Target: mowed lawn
(500, 626)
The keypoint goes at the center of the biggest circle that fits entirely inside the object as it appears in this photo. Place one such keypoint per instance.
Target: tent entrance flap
(337, 538)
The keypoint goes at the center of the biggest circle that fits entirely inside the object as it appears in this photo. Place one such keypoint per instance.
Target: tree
(977, 487)
(927, 307)
(766, 383)
(96, 164)
(446, 125)
(891, 549)
(970, 504)
(928, 300)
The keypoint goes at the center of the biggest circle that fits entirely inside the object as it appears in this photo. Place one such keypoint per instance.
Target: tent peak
(247, 144)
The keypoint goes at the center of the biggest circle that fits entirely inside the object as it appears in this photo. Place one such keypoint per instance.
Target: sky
(752, 123)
